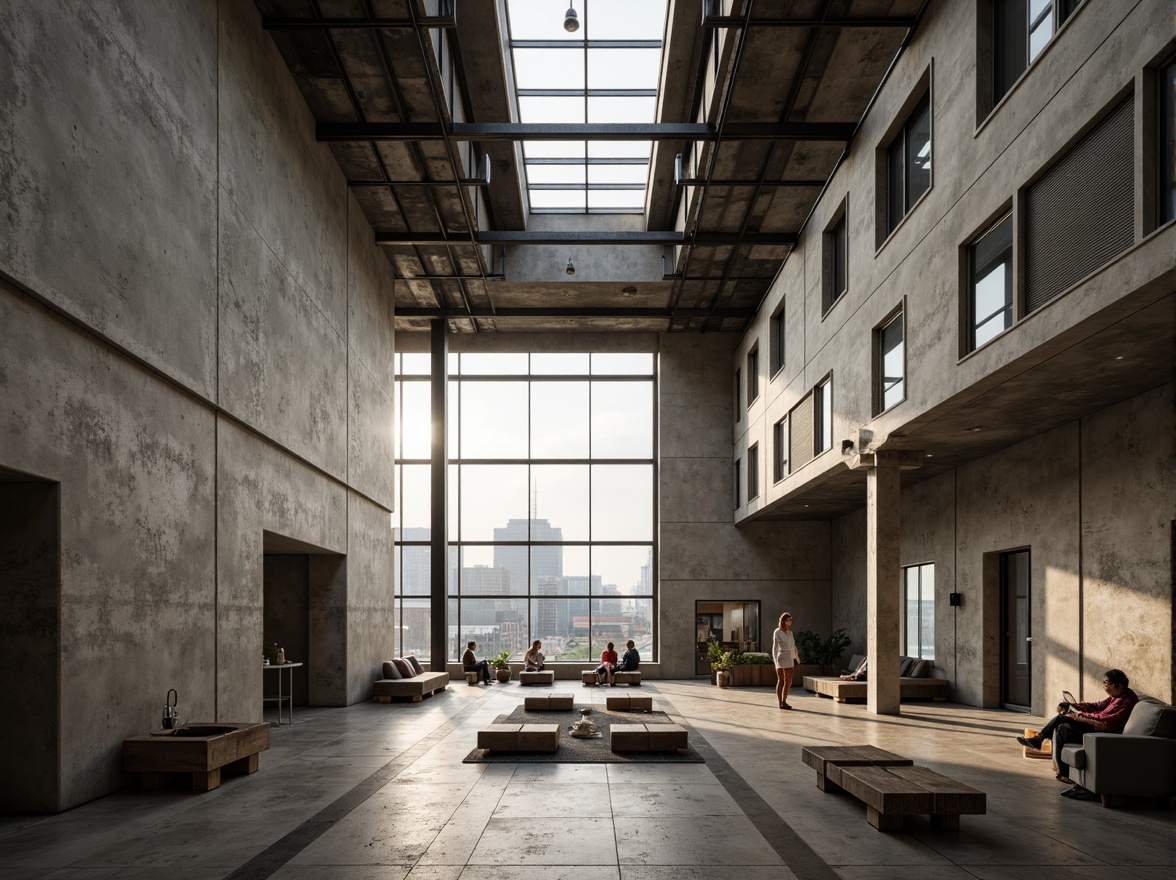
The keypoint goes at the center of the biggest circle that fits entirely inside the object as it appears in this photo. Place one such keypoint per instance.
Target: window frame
(1166, 141)
(904, 636)
(753, 391)
(738, 395)
(898, 158)
(971, 277)
(780, 449)
(879, 351)
(736, 476)
(822, 405)
(753, 472)
(1005, 73)
(835, 258)
(777, 350)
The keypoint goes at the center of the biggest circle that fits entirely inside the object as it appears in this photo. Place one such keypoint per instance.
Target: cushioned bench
(552, 703)
(908, 688)
(543, 677)
(647, 737)
(519, 738)
(626, 703)
(406, 678)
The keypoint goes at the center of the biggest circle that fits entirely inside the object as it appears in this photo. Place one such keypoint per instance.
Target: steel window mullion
(585, 44)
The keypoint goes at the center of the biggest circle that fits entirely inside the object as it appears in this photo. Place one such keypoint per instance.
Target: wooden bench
(908, 688)
(552, 703)
(890, 793)
(588, 677)
(822, 758)
(199, 751)
(519, 738)
(647, 737)
(627, 703)
(541, 677)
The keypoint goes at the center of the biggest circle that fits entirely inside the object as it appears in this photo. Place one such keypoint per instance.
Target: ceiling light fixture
(571, 270)
(629, 290)
(571, 22)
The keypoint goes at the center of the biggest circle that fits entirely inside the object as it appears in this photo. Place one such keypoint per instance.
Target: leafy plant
(714, 653)
(724, 662)
(270, 652)
(740, 659)
(823, 652)
(501, 661)
(808, 645)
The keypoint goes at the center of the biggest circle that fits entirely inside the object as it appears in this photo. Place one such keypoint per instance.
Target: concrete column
(438, 515)
(883, 532)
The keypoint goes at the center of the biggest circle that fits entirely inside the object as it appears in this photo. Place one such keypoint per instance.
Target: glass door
(733, 626)
(1017, 633)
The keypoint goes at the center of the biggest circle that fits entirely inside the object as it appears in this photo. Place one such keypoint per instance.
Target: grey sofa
(1139, 762)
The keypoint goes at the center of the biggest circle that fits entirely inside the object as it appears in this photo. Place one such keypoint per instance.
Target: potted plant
(722, 668)
(501, 666)
(817, 653)
(714, 654)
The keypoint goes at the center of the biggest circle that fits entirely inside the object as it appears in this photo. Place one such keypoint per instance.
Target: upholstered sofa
(1139, 762)
(914, 682)
(405, 677)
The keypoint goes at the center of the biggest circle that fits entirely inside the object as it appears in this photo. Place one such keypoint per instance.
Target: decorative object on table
(501, 666)
(171, 710)
(269, 653)
(584, 728)
(281, 656)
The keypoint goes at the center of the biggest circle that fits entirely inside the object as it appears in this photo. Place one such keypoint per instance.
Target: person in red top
(1075, 719)
(608, 662)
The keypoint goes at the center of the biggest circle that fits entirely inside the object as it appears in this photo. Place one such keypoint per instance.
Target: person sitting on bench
(608, 662)
(533, 659)
(471, 664)
(630, 660)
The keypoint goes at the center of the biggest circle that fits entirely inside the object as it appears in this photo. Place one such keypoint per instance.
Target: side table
(286, 697)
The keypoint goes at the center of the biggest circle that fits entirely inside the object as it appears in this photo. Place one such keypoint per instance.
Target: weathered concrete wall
(286, 617)
(196, 346)
(1092, 501)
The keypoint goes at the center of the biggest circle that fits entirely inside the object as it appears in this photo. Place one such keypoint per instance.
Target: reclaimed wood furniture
(286, 698)
(908, 688)
(588, 677)
(821, 758)
(519, 738)
(540, 677)
(629, 703)
(647, 737)
(551, 703)
(200, 751)
(890, 793)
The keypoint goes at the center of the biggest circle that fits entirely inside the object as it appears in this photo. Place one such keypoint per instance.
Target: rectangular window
(823, 416)
(777, 352)
(735, 483)
(738, 395)
(1021, 30)
(752, 374)
(918, 602)
(753, 472)
(780, 450)
(890, 364)
(1167, 157)
(908, 164)
(835, 260)
(990, 283)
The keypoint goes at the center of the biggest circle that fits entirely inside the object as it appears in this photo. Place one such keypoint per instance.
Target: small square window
(780, 450)
(777, 353)
(889, 364)
(752, 375)
(753, 472)
(990, 284)
(908, 164)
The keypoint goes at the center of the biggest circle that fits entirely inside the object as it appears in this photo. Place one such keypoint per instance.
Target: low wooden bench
(822, 758)
(890, 793)
(519, 738)
(551, 703)
(633, 678)
(198, 751)
(938, 689)
(627, 703)
(541, 677)
(647, 737)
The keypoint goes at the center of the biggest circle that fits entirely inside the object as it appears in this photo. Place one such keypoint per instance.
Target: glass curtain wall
(551, 503)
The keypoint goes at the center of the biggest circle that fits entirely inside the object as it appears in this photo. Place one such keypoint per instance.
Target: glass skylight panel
(605, 72)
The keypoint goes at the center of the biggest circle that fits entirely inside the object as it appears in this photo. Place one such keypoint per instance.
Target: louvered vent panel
(800, 438)
(1079, 215)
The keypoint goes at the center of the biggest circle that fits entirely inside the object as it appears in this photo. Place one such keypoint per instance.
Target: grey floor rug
(584, 751)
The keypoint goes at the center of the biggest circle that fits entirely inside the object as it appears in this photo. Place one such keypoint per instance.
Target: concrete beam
(344, 132)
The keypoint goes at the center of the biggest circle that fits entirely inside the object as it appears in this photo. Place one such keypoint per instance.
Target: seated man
(630, 660)
(1074, 720)
(533, 659)
(471, 664)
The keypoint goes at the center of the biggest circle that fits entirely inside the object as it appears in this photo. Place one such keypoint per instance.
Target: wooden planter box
(757, 675)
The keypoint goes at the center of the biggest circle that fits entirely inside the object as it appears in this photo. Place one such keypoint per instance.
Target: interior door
(1017, 635)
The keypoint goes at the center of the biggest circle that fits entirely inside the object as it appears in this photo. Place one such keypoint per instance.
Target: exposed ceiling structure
(759, 98)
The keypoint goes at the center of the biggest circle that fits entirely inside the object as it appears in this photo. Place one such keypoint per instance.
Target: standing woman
(784, 654)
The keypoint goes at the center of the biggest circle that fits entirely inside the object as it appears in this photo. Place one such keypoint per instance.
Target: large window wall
(551, 508)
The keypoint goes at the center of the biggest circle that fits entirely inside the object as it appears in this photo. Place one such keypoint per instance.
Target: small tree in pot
(501, 666)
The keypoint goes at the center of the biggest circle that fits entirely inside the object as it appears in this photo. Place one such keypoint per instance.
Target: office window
(918, 603)
(777, 347)
(1020, 30)
(990, 283)
(735, 481)
(753, 472)
(1167, 158)
(780, 450)
(890, 364)
(752, 374)
(823, 416)
(738, 395)
(908, 164)
(835, 261)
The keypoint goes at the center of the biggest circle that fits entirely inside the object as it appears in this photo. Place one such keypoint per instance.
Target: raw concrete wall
(196, 346)
(1092, 501)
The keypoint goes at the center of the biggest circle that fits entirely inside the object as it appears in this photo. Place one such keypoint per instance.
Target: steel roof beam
(363, 24)
(513, 237)
(342, 132)
(737, 21)
(658, 312)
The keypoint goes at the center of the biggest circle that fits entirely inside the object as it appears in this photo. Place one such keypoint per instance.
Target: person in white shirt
(785, 655)
(533, 659)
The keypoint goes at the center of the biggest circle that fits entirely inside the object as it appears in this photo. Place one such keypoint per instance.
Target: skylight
(607, 71)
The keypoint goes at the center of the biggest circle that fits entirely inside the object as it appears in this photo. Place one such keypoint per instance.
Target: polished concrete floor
(379, 791)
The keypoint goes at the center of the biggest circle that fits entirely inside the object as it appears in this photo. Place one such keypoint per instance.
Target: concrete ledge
(543, 677)
(633, 678)
(519, 738)
(551, 703)
(627, 703)
(647, 737)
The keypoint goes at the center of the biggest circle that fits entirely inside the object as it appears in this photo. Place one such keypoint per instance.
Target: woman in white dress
(785, 655)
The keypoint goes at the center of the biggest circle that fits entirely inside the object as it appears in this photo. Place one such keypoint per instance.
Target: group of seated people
(533, 661)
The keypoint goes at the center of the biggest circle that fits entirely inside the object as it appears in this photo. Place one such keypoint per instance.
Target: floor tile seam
(279, 853)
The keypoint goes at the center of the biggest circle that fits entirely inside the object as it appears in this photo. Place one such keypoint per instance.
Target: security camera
(571, 22)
